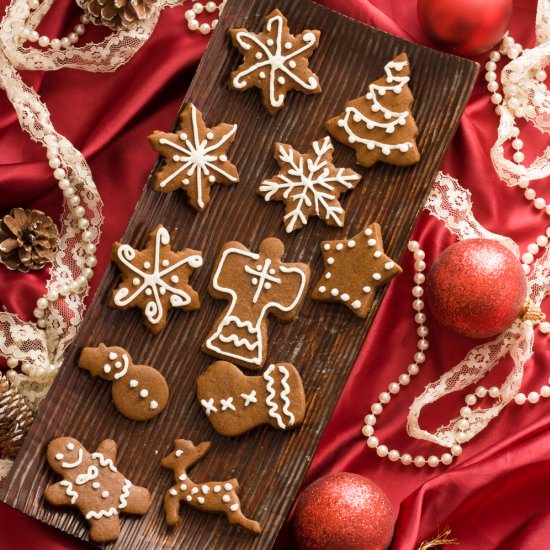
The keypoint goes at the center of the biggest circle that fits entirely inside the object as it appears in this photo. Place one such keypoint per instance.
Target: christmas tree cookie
(380, 125)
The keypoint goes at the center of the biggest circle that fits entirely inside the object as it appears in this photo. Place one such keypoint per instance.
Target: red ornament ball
(343, 511)
(465, 27)
(476, 287)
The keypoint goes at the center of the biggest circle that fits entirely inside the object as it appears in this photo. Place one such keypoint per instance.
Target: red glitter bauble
(476, 287)
(343, 512)
(465, 27)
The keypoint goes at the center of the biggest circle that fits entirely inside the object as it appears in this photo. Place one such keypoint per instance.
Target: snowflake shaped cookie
(354, 269)
(275, 61)
(309, 184)
(155, 278)
(195, 157)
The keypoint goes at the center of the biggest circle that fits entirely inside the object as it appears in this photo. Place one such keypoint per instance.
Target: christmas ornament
(117, 13)
(476, 288)
(15, 419)
(465, 27)
(28, 240)
(343, 511)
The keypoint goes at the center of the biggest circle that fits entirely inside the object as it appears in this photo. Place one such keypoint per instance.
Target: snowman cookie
(235, 403)
(139, 392)
(92, 483)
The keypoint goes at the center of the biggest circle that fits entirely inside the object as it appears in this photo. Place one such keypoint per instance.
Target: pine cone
(15, 419)
(117, 14)
(28, 239)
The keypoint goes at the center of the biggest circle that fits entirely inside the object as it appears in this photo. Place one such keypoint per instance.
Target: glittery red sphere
(476, 287)
(343, 512)
(465, 27)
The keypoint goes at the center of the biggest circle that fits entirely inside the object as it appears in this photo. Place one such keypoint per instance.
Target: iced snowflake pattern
(309, 184)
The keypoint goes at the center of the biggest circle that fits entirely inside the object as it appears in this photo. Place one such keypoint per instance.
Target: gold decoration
(442, 538)
(532, 312)
(117, 14)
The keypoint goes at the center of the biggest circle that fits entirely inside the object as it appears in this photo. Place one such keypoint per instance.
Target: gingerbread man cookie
(354, 269)
(275, 61)
(155, 278)
(214, 496)
(379, 125)
(139, 392)
(92, 483)
(195, 157)
(256, 284)
(235, 403)
(309, 184)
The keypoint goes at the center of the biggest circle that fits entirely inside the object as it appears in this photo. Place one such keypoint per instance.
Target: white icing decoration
(376, 276)
(104, 462)
(75, 464)
(253, 328)
(144, 393)
(208, 406)
(188, 498)
(123, 366)
(330, 260)
(70, 446)
(275, 59)
(226, 498)
(249, 398)
(371, 242)
(154, 405)
(366, 289)
(205, 489)
(155, 280)
(356, 304)
(106, 368)
(183, 487)
(69, 491)
(351, 243)
(96, 485)
(102, 514)
(234, 507)
(227, 404)
(134, 383)
(311, 183)
(344, 297)
(262, 277)
(389, 265)
(200, 500)
(227, 486)
(194, 490)
(334, 292)
(217, 488)
(339, 246)
(378, 254)
(124, 494)
(105, 494)
(197, 157)
(326, 246)
(173, 491)
(91, 473)
(368, 231)
(271, 394)
(112, 355)
(59, 456)
(179, 453)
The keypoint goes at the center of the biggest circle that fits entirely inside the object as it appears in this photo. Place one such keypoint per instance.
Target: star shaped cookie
(275, 61)
(354, 269)
(195, 157)
(309, 184)
(155, 278)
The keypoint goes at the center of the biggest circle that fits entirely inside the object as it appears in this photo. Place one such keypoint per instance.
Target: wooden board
(322, 342)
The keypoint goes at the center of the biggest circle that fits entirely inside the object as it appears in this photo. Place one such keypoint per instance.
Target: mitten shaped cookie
(92, 483)
(214, 496)
(235, 403)
(139, 392)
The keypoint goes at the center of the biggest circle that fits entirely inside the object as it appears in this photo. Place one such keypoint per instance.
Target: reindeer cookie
(235, 403)
(92, 483)
(214, 496)
(139, 392)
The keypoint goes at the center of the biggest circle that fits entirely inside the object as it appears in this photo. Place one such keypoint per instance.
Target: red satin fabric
(495, 495)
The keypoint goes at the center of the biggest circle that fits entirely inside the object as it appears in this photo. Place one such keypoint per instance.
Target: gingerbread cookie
(214, 496)
(92, 483)
(354, 269)
(139, 391)
(235, 403)
(379, 125)
(309, 184)
(275, 61)
(255, 285)
(155, 278)
(194, 156)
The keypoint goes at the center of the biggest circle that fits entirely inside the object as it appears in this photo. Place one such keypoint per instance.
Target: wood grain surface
(322, 342)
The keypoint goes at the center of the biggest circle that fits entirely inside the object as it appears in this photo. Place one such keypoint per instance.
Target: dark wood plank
(322, 342)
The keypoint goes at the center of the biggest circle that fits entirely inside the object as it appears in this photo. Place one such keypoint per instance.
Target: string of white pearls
(28, 34)
(519, 107)
(197, 9)
(404, 379)
(79, 284)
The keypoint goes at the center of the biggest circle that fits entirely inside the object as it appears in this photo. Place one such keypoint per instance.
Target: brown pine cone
(28, 240)
(117, 14)
(15, 419)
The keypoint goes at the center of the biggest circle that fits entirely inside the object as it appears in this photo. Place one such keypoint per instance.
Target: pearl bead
(544, 327)
(494, 391)
(517, 144)
(59, 173)
(205, 28)
(74, 201)
(43, 41)
(417, 291)
(419, 278)
(12, 362)
(420, 318)
(394, 388)
(65, 42)
(87, 236)
(470, 399)
(198, 8)
(382, 451)
(419, 461)
(481, 392)
(84, 19)
(418, 305)
(530, 194)
(384, 397)
(490, 66)
(515, 131)
(460, 437)
(80, 281)
(539, 203)
(38, 313)
(433, 461)
(376, 408)
(533, 248)
(33, 36)
(523, 182)
(211, 7)
(91, 261)
(52, 295)
(512, 90)
(215, 21)
(423, 344)
(492, 86)
(419, 254)
(419, 357)
(465, 412)
(404, 379)
(34, 4)
(542, 241)
(64, 184)
(79, 29)
(526, 269)
(367, 430)
(88, 273)
(42, 303)
(406, 459)
(393, 455)
(372, 442)
(446, 459)
(83, 223)
(420, 265)
(495, 56)
(540, 75)
(520, 398)
(527, 258)
(413, 246)
(413, 369)
(463, 424)
(490, 76)
(533, 397)
(456, 450)
(64, 290)
(422, 331)
(370, 419)
(496, 99)
(518, 157)
(41, 323)
(193, 25)
(68, 193)
(55, 44)
(189, 14)
(545, 391)
(73, 38)
(507, 42)
(90, 249)
(79, 211)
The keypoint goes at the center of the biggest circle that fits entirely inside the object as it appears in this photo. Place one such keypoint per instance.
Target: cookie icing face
(275, 61)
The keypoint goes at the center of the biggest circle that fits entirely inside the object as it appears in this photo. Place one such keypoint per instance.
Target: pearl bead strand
(404, 379)
(30, 35)
(197, 9)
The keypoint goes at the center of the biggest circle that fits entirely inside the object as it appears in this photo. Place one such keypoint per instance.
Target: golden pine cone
(28, 240)
(15, 419)
(117, 14)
